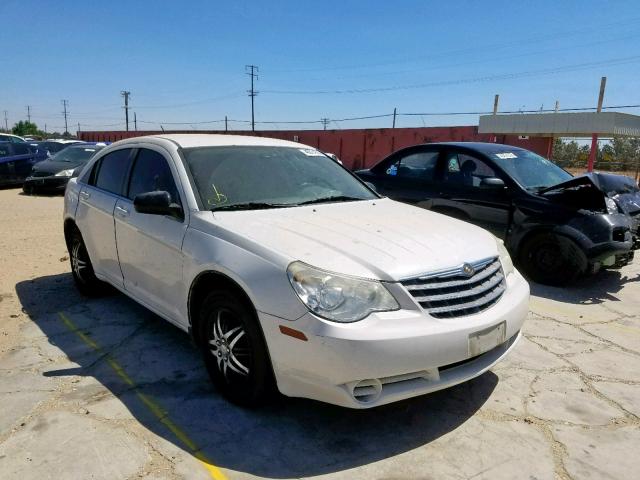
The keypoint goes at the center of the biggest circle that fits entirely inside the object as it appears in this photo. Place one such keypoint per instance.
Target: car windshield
(75, 154)
(252, 177)
(530, 170)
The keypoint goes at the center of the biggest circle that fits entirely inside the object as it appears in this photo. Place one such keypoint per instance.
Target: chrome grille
(459, 291)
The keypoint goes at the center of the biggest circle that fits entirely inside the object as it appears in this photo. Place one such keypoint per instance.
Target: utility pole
(395, 112)
(126, 94)
(325, 122)
(135, 121)
(496, 99)
(594, 136)
(65, 113)
(252, 69)
(226, 126)
(6, 123)
(557, 106)
(78, 127)
(29, 113)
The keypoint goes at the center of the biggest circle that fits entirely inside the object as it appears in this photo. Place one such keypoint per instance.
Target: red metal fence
(359, 148)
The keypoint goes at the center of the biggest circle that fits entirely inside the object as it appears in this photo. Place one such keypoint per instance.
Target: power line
(126, 94)
(325, 122)
(530, 73)
(252, 92)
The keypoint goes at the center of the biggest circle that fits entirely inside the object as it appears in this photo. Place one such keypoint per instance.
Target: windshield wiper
(335, 198)
(250, 206)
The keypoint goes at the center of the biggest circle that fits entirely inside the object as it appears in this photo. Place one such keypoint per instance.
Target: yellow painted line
(154, 407)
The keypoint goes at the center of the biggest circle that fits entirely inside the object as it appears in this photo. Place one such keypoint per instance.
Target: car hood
(588, 191)
(380, 239)
(51, 166)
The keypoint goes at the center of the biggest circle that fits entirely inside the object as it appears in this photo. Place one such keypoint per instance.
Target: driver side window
(150, 173)
(463, 170)
(419, 165)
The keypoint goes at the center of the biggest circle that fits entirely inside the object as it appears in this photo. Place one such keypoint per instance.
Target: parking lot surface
(104, 389)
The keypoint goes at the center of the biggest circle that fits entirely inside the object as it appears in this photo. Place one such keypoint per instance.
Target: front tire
(551, 259)
(234, 350)
(82, 269)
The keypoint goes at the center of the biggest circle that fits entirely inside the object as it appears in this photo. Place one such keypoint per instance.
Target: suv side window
(419, 165)
(111, 171)
(21, 149)
(151, 172)
(466, 171)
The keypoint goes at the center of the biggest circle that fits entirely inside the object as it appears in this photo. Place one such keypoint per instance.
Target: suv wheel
(81, 268)
(551, 259)
(234, 351)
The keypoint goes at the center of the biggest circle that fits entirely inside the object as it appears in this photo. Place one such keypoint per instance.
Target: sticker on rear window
(506, 155)
(309, 152)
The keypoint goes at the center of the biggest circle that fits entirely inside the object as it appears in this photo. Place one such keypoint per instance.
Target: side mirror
(492, 183)
(157, 203)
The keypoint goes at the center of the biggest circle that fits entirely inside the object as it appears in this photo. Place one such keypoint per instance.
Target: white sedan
(291, 273)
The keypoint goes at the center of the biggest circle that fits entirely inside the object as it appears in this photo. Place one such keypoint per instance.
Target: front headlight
(65, 173)
(505, 258)
(612, 207)
(337, 297)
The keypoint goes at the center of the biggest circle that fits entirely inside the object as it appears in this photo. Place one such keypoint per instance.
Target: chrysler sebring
(289, 272)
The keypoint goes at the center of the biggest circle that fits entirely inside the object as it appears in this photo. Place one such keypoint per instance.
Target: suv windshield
(531, 171)
(75, 154)
(251, 177)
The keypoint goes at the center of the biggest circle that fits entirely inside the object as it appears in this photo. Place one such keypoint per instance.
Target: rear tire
(82, 269)
(551, 259)
(234, 350)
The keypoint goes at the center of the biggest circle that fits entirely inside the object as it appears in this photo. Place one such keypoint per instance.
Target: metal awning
(578, 124)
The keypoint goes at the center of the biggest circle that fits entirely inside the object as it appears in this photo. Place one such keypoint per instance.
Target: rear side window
(419, 165)
(150, 173)
(112, 171)
(4, 150)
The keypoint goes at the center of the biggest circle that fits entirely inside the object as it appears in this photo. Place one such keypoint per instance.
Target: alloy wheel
(229, 345)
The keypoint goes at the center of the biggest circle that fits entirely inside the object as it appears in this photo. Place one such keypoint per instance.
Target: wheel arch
(206, 282)
(69, 227)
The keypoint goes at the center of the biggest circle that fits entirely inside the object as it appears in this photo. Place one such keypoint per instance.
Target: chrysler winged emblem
(468, 270)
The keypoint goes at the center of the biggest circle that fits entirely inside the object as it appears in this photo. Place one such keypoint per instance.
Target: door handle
(84, 194)
(123, 212)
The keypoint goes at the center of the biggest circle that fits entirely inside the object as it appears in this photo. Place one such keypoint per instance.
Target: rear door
(409, 176)
(463, 195)
(94, 216)
(150, 246)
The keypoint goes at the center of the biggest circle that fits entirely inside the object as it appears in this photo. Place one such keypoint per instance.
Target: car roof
(190, 140)
(479, 146)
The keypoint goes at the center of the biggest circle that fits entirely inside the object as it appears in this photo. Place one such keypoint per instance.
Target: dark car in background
(555, 226)
(16, 162)
(47, 148)
(52, 175)
(7, 137)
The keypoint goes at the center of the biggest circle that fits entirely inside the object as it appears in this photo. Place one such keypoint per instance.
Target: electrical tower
(251, 71)
(65, 112)
(29, 113)
(6, 123)
(325, 122)
(126, 94)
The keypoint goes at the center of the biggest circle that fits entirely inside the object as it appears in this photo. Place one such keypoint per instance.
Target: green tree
(23, 128)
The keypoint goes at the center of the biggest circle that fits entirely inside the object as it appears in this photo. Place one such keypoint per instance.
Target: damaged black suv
(555, 226)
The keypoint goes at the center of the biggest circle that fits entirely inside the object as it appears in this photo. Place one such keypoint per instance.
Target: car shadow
(287, 438)
(594, 289)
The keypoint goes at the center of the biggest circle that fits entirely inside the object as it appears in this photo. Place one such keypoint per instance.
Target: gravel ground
(104, 389)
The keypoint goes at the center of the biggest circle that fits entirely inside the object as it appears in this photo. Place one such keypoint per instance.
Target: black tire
(234, 350)
(82, 269)
(551, 259)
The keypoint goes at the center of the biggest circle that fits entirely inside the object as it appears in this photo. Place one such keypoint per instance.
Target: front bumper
(50, 184)
(391, 355)
(600, 236)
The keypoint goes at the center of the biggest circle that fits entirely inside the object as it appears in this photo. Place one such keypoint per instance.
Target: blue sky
(185, 61)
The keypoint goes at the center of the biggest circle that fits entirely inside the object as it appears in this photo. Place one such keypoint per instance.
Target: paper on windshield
(506, 155)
